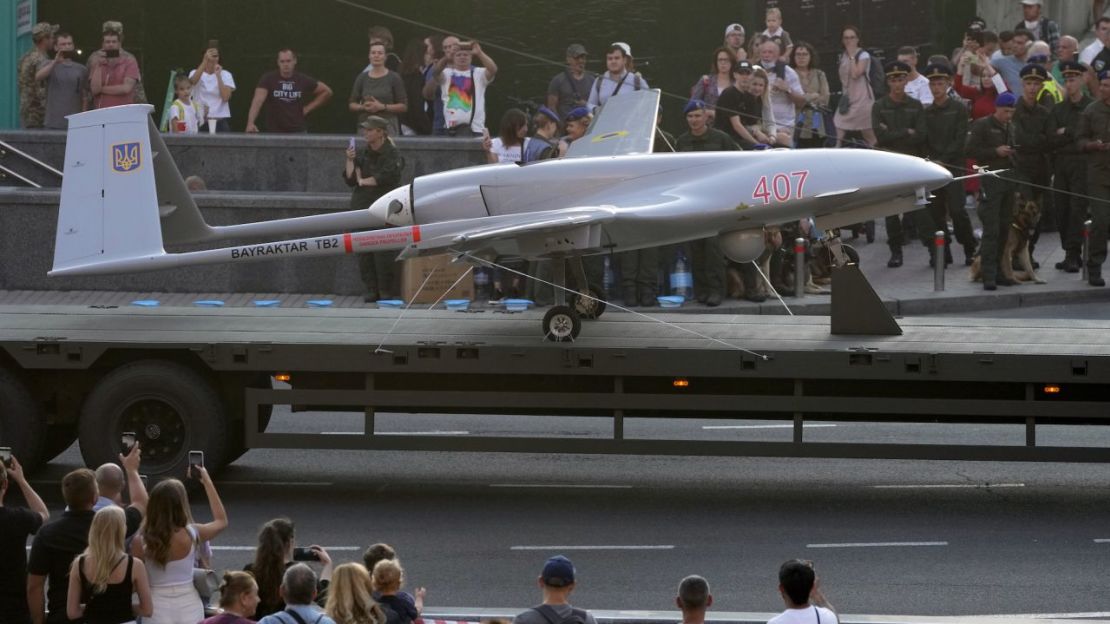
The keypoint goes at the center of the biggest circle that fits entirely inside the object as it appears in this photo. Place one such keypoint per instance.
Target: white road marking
(1102, 541)
(876, 544)
(948, 486)
(611, 547)
(804, 425)
(397, 433)
(1054, 616)
(280, 483)
(584, 486)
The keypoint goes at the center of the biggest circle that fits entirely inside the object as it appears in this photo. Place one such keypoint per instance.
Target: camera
(305, 554)
(213, 43)
(69, 54)
(6, 456)
(127, 439)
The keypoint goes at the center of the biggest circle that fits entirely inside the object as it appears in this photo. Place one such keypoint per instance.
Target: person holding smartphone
(67, 83)
(16, 523)
(277, 551)
(372, 172)
(213, 86)
(801, 593)
(113, 75)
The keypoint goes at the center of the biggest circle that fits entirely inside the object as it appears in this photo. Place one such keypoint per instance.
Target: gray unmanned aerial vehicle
(123, 199)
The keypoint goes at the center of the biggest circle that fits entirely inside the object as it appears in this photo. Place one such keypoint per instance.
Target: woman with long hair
(167, 542)
(763, 129)
(103, 578)
(811, 119)
(511, 140)
(276, 545)
(350, 599)
(854, 111)
(379, 91)
(709, 87)
(238, 599)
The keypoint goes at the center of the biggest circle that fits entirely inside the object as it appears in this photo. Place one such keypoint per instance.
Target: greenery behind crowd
(672, 41)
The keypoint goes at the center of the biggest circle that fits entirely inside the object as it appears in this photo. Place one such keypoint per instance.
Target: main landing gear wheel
(561, 324)
(586, 307)
(172, 410)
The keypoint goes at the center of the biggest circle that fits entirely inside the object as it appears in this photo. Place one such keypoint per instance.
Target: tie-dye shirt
(464, 97)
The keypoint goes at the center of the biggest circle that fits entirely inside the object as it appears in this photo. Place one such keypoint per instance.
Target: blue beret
(550, 114)
(1104, 74)
(693, 105)
(578, 113)
(1005, 100)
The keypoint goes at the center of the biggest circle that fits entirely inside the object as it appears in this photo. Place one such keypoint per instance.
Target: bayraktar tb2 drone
(123, 199)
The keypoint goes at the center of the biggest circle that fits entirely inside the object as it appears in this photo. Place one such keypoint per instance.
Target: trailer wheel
(589, 308)
(561, 324)
(171, 409)
(22, 424)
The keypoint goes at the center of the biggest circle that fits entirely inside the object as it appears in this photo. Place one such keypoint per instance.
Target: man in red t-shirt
(113, 76)
(284, 93)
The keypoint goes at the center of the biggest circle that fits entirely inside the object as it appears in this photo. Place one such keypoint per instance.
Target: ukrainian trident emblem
(126, 157)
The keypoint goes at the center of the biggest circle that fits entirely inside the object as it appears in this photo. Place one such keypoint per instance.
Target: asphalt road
(887, 537)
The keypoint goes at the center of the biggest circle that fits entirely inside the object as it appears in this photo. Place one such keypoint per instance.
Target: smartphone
(213, 43)
(351, 143)
(6, 456)
(111, 53)
(305, 554)
(69, 54)
(196, 458)
(127, 439)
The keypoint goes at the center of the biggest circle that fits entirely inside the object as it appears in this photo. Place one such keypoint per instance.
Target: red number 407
(781, 186)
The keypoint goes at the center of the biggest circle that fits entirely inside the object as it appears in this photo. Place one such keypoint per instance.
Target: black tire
(589, 309)
(171, 409)
(561, 324)
(22, 424)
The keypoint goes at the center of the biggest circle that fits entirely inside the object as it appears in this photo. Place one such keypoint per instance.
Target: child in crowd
(186, 114)
(775, 33)
(388, 577)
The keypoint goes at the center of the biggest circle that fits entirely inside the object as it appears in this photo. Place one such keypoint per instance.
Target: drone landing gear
(563, 322)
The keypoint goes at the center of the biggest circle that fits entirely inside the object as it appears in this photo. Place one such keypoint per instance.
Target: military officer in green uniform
(1030, 126)
(990, 143)
(373, 172)
(946, 130)
(899, 124)
(1094, 140)
(1069, 164)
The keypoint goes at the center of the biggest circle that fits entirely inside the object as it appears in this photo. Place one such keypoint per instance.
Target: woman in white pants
(167, 542)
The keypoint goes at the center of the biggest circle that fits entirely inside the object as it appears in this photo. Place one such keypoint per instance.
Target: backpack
(577, 616)
(876, 77)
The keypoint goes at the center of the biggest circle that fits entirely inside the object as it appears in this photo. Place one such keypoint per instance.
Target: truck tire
(171, 409)
(22, 424)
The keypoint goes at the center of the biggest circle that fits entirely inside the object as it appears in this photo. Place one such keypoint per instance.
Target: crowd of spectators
(106, 561)
(763, 91)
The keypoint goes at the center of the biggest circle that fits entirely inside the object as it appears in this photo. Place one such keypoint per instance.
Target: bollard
(799, 267)
(1086, 248)
(938, 262)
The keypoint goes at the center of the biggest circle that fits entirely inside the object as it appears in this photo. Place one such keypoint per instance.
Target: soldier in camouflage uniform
(32, 92)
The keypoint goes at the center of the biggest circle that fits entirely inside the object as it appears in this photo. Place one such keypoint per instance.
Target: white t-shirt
(192, 114)
(1087, 56)
(511, 154)
(207, 92)
(808, 615)
(625, 83)
(918, 89)
(464, 102)
(782, 107)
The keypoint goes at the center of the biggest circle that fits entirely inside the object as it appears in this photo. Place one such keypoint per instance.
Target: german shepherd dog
(1016, 246)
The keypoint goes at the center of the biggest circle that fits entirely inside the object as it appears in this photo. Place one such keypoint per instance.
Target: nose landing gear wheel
(561, 324)
(586, 307)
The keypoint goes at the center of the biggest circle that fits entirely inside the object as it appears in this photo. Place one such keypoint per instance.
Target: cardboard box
(415, 270)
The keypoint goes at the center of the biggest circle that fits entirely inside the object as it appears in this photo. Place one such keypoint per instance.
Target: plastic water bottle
(681, 280)
(607, 278)
(481, 285)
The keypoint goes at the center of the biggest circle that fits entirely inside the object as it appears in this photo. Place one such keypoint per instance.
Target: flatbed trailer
(193, 378)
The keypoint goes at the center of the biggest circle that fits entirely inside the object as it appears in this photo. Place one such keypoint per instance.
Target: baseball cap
(1005, 100)
(742, 67)
(734, 27)
(623, 46)
(576, 50)
(373, 121)
(1031, 2)
(558, 571)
